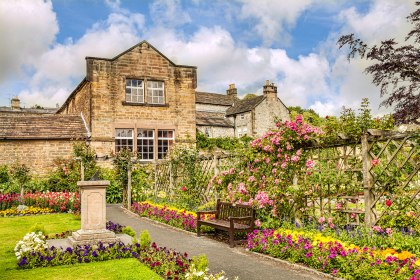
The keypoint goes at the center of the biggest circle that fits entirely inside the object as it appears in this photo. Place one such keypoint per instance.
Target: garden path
(234, 261)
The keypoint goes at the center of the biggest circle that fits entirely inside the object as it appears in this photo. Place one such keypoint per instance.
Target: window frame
(134, 88)
(151, 91)
(119, 147)
(147, 138)
(170, 140)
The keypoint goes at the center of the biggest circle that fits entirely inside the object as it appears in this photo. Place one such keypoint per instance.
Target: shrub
(145, 239)
(129, 231)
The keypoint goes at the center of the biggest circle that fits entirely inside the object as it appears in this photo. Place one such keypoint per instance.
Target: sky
(292, 43)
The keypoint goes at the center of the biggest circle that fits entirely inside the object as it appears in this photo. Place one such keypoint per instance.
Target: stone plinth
(93, 215)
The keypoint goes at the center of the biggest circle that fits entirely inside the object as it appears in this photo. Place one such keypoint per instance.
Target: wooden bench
(229, 217)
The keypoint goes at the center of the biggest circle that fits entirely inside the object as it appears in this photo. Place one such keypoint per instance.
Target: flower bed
(179, 218)
(333, 256)
(57, 201)
(27, 211)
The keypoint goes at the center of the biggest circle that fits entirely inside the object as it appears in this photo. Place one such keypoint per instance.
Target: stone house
(226, 115)
(139, 100)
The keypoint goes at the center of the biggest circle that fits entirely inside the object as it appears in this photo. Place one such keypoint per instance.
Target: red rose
(388, 202)
(184, 188)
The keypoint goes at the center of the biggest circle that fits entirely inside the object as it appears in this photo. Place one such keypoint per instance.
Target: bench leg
(231, 238)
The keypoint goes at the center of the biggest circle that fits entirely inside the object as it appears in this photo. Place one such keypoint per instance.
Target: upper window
(155, 92)
(123, 139)
(134, 91)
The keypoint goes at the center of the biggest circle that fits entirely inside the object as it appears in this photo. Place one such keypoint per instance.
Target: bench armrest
(199, 213)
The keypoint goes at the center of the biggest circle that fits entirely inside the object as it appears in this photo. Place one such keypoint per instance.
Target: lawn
(12, 229)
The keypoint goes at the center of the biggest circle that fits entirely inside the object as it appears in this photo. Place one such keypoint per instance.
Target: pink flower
(299, 152)
(295, 158)
(257, 223)
(330, 220)
(299, 119)
(353, 215)
(310, 164)
(388, 231)
(219, 182)
(321, 220)
(374, 162)
(388, 202)
(251, 179)
(338, 206)
(284, 165)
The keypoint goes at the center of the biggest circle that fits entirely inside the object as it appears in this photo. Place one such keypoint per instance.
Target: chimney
(270, 90)
(232, 91)
(15, 103)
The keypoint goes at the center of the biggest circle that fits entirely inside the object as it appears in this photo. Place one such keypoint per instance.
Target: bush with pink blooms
(272, 163)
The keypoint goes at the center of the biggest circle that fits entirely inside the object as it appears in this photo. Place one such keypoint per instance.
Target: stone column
(93, 215)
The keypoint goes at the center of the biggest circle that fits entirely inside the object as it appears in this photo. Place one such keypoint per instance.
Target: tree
(396, 69)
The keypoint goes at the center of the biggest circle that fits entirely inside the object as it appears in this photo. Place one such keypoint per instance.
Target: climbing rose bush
(272, 163)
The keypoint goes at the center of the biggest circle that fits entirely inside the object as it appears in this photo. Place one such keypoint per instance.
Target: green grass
(12, 229)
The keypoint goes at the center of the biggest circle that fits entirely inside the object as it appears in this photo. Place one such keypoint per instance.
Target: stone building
(139, 100)
(226, 115)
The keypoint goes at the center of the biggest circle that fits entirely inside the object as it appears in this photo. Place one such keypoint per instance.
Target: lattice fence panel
(395, 175)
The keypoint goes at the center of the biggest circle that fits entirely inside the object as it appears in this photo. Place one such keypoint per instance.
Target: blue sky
(290, 43)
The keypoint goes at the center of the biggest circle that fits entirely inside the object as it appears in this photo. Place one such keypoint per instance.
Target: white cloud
(27, 29)
(168, 13)
(59, 68)
(273, 18)
(385, 19)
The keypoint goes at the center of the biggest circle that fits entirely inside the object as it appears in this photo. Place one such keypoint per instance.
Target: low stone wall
(38, 155)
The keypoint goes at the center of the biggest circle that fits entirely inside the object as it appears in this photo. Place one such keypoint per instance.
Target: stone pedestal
(93, 215)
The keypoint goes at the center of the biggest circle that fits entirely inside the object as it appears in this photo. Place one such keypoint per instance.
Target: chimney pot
(15, 103)
(232, 91)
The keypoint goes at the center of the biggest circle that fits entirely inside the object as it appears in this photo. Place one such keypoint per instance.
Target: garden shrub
(145, 239)
(129, 231)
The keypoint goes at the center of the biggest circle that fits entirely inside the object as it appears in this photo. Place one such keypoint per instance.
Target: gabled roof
(245, 105)
(214, 98)
(135, 46)
(63, 127)
(212, 119)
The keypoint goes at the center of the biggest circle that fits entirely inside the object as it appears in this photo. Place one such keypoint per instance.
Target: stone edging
(295, 266)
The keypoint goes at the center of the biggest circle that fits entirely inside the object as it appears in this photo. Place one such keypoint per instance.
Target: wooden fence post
(367, 182)
(156, 178)
(216, 164)
(171, 179)
(129, 186)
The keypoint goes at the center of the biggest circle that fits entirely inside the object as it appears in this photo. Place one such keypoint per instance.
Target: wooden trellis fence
(169, 176)
(362, 178)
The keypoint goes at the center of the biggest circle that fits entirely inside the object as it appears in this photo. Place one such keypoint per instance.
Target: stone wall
(265, 114)
(215, 131)
(79, 102)
(38, 155)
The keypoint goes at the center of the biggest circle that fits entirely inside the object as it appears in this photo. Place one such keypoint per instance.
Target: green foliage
(145, 239)
(200, 262)
(67, 173)
(129, 231)
(38, 228)
(142, 182)
(114, 191)
(122, 162)
(224, 143)
(20, 175)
